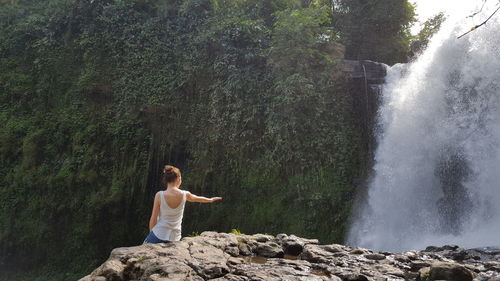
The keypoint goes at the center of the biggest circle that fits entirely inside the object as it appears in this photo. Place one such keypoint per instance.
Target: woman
(168, 208)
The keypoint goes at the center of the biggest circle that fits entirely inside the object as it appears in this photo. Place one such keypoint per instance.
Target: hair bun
(170, 174)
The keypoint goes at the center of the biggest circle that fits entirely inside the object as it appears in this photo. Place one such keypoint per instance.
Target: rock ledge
(230, 257)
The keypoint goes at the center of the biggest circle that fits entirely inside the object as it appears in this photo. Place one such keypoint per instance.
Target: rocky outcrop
(369, 72)
(230, 257)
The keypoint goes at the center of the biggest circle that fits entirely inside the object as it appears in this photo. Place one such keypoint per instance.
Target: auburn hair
(170, 174)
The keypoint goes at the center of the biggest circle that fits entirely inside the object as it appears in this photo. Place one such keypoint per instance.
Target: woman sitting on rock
(168, 208)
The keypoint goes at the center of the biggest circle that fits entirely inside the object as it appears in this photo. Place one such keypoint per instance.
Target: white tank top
(169, 222)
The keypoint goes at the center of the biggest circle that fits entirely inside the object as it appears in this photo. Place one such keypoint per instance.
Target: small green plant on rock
(235, 231)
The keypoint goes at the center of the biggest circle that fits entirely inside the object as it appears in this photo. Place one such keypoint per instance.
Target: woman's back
(173, 197)
(172, 202)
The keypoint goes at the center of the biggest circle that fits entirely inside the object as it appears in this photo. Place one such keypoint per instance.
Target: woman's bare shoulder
(173, 192)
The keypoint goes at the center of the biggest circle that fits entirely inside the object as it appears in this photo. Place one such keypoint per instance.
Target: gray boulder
(449, 271)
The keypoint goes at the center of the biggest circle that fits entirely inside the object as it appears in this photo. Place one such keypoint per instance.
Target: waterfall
(436, 177)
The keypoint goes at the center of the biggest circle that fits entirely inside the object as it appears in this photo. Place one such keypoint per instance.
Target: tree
(431, 26)
(375, 30)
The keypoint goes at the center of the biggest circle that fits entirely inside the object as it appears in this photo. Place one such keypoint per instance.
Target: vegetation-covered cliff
(96, 96)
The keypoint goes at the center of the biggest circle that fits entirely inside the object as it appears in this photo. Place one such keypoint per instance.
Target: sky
(463, 8)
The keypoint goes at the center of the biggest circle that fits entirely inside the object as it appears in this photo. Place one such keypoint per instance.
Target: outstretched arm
(195, 198)
(154, 214)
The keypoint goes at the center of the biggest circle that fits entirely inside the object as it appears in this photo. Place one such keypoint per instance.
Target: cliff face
(221, 256)
(97, 101)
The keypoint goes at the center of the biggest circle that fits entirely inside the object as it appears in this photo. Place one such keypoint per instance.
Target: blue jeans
(153, 239)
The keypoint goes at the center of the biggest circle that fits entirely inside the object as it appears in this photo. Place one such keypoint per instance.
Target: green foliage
(431, 27)
(235, 231)
(297, 37)
(375, 30)
(193, 234)
(95, 96)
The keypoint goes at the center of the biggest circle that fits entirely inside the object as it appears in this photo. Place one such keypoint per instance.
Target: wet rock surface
(230, 257)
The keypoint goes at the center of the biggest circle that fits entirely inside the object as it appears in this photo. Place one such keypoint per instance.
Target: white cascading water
(437, 166)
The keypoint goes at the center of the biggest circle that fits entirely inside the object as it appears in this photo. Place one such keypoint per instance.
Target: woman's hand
(213, 199)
